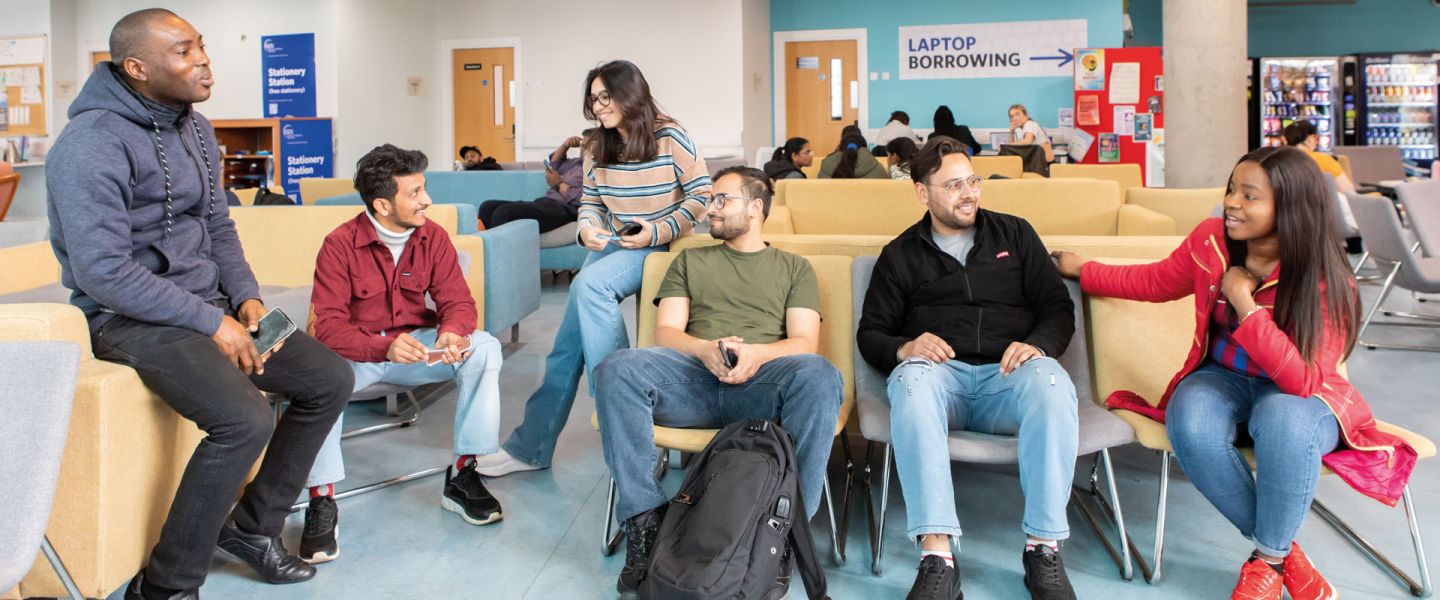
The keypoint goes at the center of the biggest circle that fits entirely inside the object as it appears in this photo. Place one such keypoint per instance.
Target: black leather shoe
(267, 556)
(137, 591)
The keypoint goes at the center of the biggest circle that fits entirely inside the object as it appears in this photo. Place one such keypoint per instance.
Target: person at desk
(1024, 130)
(852, 158)
(944, 123)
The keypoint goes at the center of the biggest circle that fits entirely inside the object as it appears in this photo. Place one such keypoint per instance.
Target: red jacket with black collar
(1376, 463)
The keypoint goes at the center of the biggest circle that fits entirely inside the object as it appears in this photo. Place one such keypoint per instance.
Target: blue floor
(398, 542)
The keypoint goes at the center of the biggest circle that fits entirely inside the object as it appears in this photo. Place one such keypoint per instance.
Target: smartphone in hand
(436, 355)
(631, 229)
(274, 328)
(727, 356)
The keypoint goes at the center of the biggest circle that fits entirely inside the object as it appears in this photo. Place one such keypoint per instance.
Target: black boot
(640, 531)
(266, 555)
(139, 589)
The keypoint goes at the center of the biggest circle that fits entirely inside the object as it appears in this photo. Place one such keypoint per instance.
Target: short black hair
(375, 172)
(464, 149)
(927, 160)
(128, 35)
(754, 182)
(1297, 132)
(900, 116)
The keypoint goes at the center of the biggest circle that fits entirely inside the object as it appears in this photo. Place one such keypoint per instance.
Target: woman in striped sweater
(644, 184)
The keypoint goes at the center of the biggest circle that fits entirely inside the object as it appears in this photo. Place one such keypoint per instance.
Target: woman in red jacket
(1266, 356)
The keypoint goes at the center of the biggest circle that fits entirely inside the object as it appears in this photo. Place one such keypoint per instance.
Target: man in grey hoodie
(150, 254)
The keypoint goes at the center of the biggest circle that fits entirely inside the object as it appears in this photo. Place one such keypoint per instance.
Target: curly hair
(375, 173)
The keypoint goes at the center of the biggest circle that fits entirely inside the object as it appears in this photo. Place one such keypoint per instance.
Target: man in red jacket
(371, 279)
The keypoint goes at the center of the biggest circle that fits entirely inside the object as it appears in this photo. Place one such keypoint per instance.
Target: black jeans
(187, 371)
(494, 213)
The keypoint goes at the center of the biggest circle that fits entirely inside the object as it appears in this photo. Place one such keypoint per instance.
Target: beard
(953, 219)
(729, 229)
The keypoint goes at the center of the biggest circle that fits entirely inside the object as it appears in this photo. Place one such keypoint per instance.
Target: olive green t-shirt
(743, 294)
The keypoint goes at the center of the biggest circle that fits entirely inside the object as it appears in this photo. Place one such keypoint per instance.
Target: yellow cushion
(1055, 206)
(315, 188)
(45, 322)
(1138, 220)
(1187, 207)
(1152, 247)
(1148, 247)
(1127, 175)
(1007, 166)
(1141, 359)
(852, 206)
(247, 195)
(281, 242)
(28, 266)
(812, 171)
(778, 221)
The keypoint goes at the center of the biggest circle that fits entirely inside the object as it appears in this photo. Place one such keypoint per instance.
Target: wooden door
(821, 91)
(484, 101)
(97, 58)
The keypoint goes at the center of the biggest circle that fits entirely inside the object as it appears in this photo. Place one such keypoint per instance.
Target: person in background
(471, 160)
(645, 184)
(897, 127)
(787, 160)
(1024, 130)
(1304, 136)
(150, 254)
(372, 278)
(944, 123)
(852, 158)
(561, 203)
(745, 297)
(1276, 313)
(898, 154)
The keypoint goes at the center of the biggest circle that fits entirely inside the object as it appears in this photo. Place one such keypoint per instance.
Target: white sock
(945, 554)
(1032, 543)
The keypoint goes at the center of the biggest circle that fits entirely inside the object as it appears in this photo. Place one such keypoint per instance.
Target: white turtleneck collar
(394, 241)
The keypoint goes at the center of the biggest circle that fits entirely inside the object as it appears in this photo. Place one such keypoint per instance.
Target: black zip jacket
(1008, 291)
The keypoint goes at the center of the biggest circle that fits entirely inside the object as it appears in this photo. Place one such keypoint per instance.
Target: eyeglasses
(957, 187)
(718, 201)
(603, 99)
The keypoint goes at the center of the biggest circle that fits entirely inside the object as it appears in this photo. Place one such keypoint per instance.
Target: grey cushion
(1098, 428)
(53, 292)
(563, 235)
(39, 383)
(19, 233)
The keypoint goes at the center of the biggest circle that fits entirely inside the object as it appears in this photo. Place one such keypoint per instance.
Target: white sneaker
(500, 464)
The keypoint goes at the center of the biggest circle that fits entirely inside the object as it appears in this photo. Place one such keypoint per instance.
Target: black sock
(1279, 567)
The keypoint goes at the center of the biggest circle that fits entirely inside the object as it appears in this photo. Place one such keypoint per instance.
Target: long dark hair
(903, 148)
(944, 119)
(851, 141)
(1311, 253)
(792, 147)
(639, 114)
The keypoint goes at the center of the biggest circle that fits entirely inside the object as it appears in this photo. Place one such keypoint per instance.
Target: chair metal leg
(877, 518)
(59, 566)
(1361, 263)
(515, 333)
(379, 485)
(837, 553)
(396, 424)
(1419, 590)
(844, 516)
(1410, 315)
(613, 533)
(1153, 577)
(1110, 508)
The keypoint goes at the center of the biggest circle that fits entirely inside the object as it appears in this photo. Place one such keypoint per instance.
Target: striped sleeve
(694, 180)
(592, 209)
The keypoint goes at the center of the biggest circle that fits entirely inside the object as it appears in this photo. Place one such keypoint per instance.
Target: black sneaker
(936, 580)
(465, 495)
(640, 532)
(1045, 574)
(266, 555)
(781, 587)
(140, 589)
(321, 541)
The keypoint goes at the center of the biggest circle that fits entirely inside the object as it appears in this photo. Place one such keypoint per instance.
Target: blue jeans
(591, 329)
(1290, 434)
(477, 404)
(1035, 402)
(659, 386)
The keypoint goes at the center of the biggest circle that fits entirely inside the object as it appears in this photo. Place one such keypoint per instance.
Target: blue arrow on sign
(1064, 58)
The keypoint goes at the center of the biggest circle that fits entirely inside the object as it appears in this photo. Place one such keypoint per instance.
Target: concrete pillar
(1205, 107)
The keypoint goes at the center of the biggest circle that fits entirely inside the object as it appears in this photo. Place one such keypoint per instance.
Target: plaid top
(1223, 323)
(669, 191)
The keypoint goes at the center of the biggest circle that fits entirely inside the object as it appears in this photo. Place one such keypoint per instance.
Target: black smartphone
(631, 229)
(275, 327)
(727, 356)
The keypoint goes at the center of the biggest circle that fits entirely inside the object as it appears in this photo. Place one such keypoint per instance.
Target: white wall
(690, 53)
(384, 42)
(756, 78)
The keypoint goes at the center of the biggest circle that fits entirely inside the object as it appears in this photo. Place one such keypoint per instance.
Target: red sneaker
(1303, 581)
(1258, 581)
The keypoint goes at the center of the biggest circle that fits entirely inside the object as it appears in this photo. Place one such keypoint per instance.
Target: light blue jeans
(1290, 434)
(645, 387)
(477, 404)
(591, 329)
(1036, 402)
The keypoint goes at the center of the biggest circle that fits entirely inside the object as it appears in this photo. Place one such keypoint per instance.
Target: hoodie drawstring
(169, 190)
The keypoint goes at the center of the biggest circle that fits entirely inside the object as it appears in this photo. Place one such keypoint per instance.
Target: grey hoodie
(121, 249)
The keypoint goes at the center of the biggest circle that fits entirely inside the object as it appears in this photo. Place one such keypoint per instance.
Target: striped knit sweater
(670, 191)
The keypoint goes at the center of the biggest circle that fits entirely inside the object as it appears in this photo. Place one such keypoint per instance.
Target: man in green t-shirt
(758, 304)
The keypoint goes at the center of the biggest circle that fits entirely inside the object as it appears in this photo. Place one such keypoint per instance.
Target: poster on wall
(1144, 123)
(1125, 83)
(1090, 69)
(1087, 109)
(306, 150)
(1124, 123)
(1066, 117)
(1109, 148)
(1080, 143)
(1155, 159)
(287, 71)
(1010, 49)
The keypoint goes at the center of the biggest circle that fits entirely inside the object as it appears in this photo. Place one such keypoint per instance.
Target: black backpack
(265, 197)
(725, 532)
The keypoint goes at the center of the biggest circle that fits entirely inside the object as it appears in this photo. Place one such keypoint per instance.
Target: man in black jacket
(966, 313)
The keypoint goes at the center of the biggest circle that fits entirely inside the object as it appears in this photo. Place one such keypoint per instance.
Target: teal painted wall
(976, 102)
(1320, 30)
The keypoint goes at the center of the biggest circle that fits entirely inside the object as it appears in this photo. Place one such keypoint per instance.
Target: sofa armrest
(512, 273)
(467, 219)
(45, 322)
(1138, 220)
(778, 222)
(28, 266)
(475, 275)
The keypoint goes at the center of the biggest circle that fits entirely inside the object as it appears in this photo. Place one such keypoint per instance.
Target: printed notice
(1124, 120)
(1125, 83)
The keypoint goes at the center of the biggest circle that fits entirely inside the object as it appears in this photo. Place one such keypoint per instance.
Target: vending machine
(1292, 89)
(1401, 104)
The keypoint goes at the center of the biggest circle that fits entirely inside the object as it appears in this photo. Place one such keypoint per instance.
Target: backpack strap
(805, 559)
